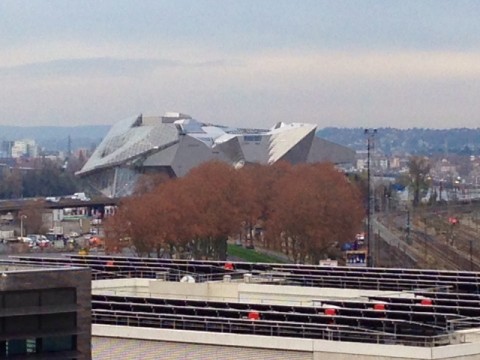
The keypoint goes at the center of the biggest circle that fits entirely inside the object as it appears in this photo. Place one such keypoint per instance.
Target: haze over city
(243, 63)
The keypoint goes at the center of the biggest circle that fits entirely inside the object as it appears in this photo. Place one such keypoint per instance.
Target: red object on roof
(330, 311)
(379, 307)
(426, 302)
(254, 315)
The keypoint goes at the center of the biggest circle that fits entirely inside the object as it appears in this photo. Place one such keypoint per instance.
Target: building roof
(177, 143)
(406, 307)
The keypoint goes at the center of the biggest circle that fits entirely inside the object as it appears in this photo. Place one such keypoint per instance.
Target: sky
(245, 63)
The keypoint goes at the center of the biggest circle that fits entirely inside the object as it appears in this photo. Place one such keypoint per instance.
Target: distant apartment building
(361, 164)
(24, 148)
(395, 163)
(444, 169)
(377, 161)
(6, 149)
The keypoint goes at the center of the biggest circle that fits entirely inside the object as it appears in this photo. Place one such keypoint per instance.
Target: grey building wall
(44, 292)
(323, 150)
(104, 348)
(125, 342)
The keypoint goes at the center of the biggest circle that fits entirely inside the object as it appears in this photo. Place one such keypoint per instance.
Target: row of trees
(43, 177)
(303, 209)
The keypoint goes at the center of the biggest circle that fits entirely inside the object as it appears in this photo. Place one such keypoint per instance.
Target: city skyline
(342, 64)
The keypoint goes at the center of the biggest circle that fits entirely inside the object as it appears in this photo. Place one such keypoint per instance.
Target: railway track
(443, 255)
(451, 248)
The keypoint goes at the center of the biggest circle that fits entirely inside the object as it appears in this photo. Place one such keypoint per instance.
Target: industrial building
(175, 143)
(184, 309)
(45, 312)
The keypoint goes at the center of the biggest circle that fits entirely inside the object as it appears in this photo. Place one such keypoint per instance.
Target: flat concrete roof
(463, 343)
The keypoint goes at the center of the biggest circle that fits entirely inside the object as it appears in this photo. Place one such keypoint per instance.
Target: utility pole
(425, 234)
(370, 134)
(408, 226)
(69, 147)
(471, 255)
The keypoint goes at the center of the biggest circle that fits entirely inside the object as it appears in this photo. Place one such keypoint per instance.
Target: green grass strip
(250, 255)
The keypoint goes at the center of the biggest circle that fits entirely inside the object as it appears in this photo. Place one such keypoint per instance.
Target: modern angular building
(175, 143)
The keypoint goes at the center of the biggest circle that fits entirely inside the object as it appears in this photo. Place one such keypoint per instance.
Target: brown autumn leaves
(303, 209)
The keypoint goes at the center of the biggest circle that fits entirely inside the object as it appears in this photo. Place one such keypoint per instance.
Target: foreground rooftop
(342, 309)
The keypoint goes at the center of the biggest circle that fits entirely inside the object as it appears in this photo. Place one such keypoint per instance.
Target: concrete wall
(114, 349)
(121, 342)
(250, 292)
(227, 291)
(125, 287)
(297, 294)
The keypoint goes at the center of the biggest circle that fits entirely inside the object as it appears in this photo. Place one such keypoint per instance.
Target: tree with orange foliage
(131, 221)
(198, 211)
(172, 216)
(219, 197)
(315, 206)
(117, 230)
(262, 180)
(306, 208)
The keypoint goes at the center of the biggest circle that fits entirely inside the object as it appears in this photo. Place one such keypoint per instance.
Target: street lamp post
(21, 225)
(408, 226)
(370, 134)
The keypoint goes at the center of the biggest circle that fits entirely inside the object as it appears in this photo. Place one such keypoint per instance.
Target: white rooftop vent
(170, 117)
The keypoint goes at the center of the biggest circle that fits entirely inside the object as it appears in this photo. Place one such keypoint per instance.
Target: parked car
(38, 240)
(33, 237)
(25, 239)
(43, 243)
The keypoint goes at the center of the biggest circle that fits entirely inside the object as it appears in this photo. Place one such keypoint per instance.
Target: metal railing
(464, 323)
(269, 328)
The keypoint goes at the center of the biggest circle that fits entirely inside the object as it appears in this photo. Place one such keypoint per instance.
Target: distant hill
(56, 137)
(390, 141)
(414, 141)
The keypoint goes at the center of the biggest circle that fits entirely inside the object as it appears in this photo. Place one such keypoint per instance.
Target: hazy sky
(341, 63)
